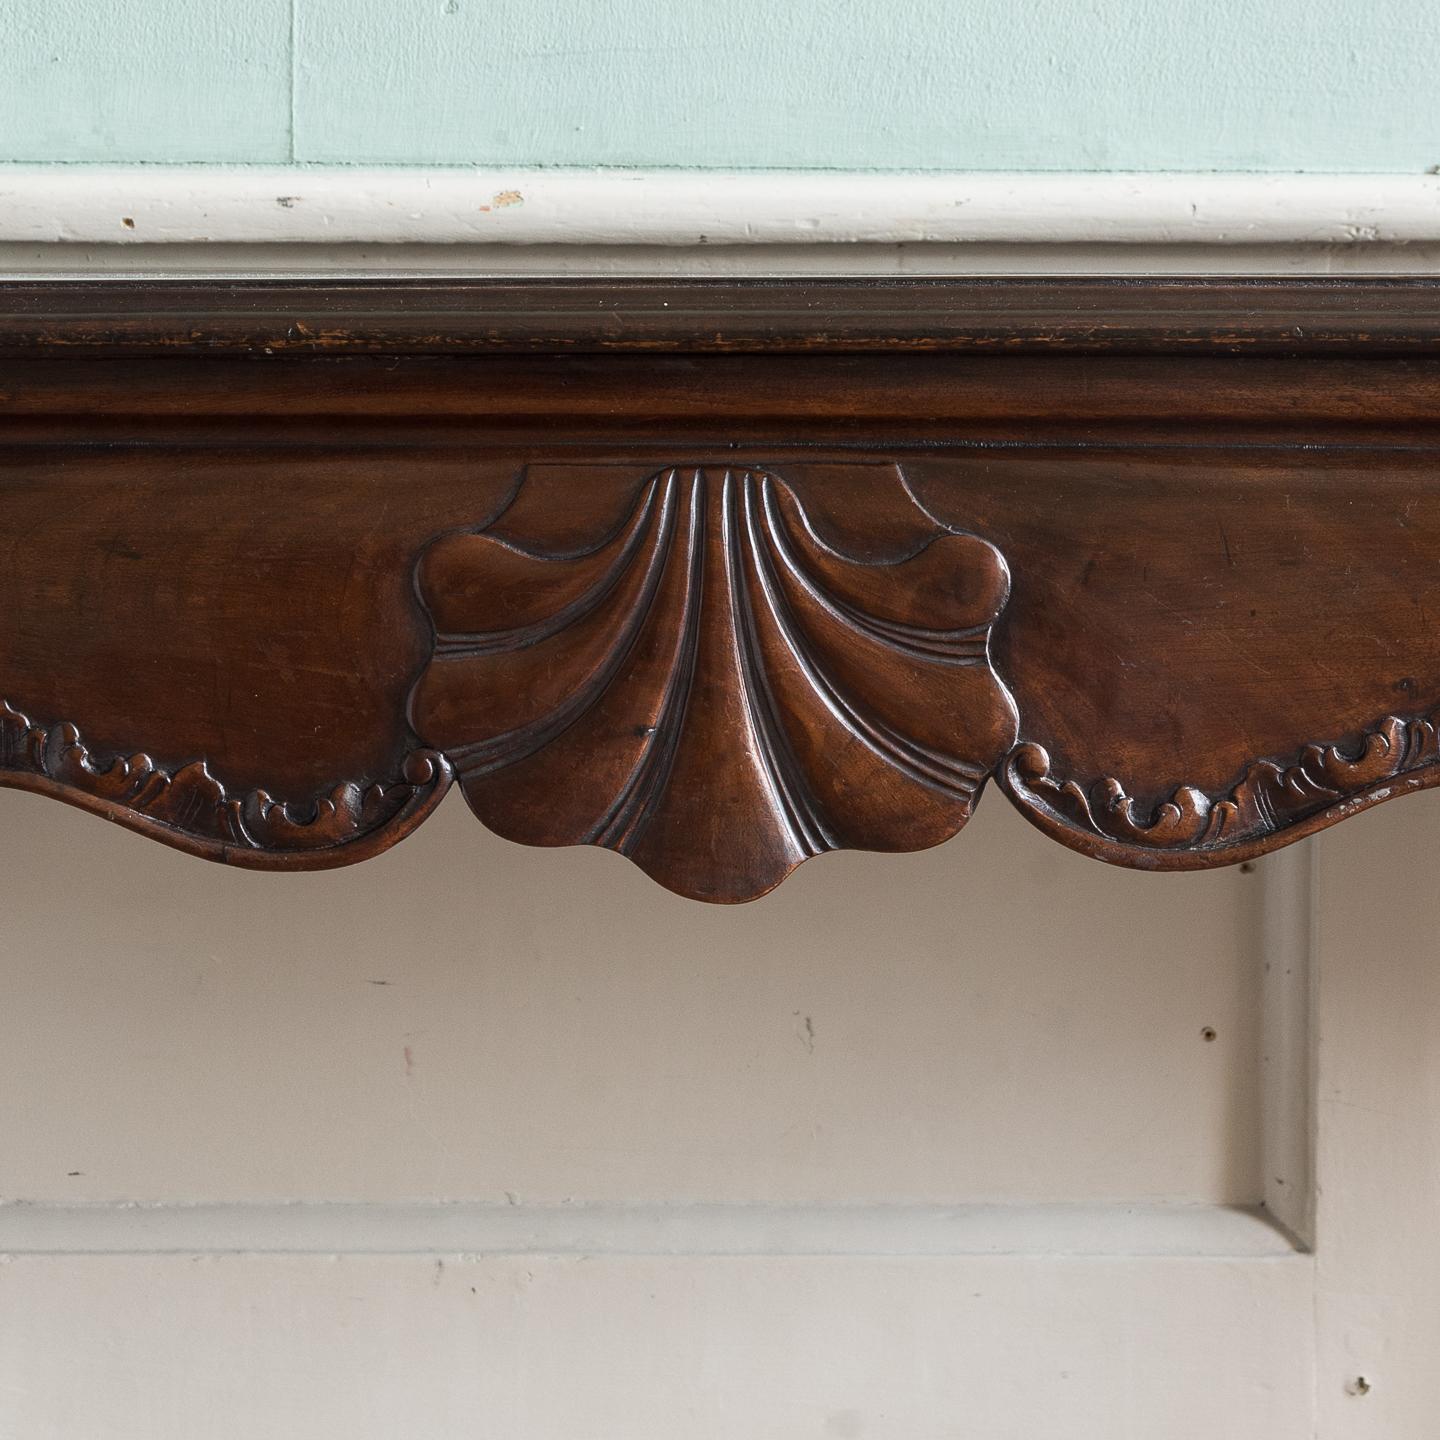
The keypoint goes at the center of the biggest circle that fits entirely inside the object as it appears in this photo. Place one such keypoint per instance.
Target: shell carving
(718, 672)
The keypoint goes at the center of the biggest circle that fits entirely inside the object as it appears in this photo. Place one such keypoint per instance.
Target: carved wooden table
(720, 575)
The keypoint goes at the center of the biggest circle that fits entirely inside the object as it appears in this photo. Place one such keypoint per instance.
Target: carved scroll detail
(190, 808)
(717, 672)
(1324, 783)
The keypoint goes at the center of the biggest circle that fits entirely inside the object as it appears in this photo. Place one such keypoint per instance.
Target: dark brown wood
(721, 575)
(717, 671)
(192, 810)
(429, 317)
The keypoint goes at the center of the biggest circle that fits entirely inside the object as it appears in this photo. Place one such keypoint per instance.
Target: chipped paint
(185, 205)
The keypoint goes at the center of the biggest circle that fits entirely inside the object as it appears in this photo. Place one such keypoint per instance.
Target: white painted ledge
(36, 260)
(1175, 1230)
(181, 205)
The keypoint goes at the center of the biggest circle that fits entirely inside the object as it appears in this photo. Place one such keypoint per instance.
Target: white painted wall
(469, 1019)
(919, 1146)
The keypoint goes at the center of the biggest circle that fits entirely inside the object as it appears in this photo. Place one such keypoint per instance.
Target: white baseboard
(139, 205)
(268, 261)
(472, 1229)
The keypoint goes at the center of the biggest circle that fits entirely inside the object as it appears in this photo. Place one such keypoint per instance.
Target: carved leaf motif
(348, 810)
(717, 672)
(191, 807)
(22, 745)
(1322, 781)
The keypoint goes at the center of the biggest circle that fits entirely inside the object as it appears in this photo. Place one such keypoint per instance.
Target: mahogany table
(720, 575)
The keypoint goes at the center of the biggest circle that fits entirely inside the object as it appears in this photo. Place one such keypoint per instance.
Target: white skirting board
(262, 261)
(1153, 1229)
(145, 205)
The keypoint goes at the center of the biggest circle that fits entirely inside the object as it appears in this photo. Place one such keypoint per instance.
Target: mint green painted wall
(937, 84)
(145, 80)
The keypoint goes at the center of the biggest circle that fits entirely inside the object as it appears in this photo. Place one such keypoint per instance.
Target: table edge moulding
(720, 574)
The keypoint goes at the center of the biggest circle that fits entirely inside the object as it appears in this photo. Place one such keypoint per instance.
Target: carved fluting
(191, 807)
(717, 672)
(1324, 782)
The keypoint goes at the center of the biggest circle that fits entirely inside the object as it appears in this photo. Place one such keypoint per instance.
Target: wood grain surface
(721, 575)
